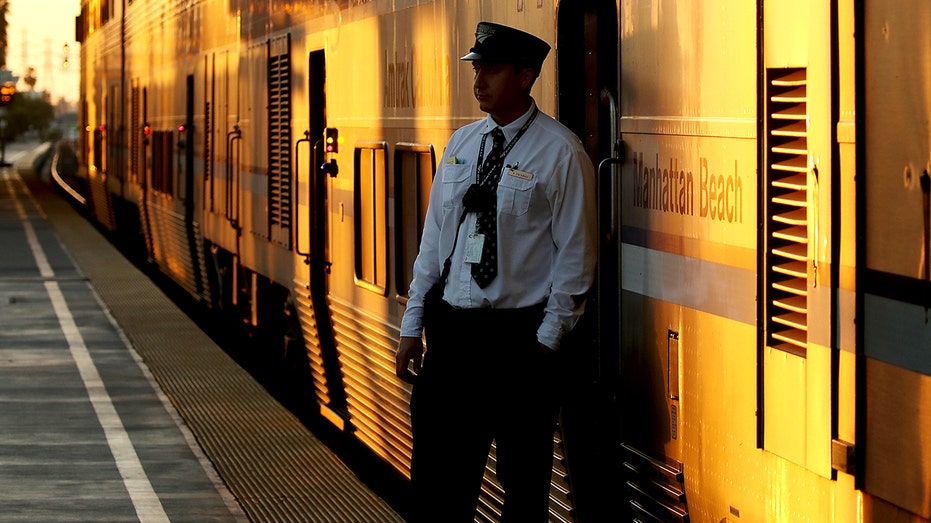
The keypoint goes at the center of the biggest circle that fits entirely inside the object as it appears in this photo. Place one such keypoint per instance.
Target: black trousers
(485, 377)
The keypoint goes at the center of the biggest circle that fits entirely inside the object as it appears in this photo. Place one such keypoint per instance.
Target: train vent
(787, 212)
(655, 488)
(279, 140)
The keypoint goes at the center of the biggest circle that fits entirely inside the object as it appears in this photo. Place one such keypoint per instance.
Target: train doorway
(186, 144)
(312, 243)
(587, 64)
(587, 87)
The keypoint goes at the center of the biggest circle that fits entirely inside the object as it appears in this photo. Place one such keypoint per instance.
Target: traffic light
(7, 90)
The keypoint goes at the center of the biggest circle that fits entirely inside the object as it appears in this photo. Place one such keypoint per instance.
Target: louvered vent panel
(208, 144)
(279, 136)
(787, 224)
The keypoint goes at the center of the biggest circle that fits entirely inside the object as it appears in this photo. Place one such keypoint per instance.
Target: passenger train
(757, 346)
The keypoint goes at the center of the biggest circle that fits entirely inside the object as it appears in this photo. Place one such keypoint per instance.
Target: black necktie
(486, 270)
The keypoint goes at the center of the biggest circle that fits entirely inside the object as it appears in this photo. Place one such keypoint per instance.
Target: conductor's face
(502, 90)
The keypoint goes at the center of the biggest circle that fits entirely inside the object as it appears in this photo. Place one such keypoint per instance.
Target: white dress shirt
(546, 226)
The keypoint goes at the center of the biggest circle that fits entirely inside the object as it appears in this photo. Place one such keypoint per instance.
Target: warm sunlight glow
(41, 36)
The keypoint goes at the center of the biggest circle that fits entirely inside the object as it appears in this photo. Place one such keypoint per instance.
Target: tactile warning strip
(277, 469)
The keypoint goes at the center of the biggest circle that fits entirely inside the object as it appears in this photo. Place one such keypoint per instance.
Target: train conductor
(506, 259)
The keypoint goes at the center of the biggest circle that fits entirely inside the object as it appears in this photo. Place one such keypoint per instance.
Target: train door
(894, 204)
(220, 188)
(135, 133)
(587, 85)
(224, 194)
(191, 222)
(115, 172)
(145, 175)
(219, 117)
(798, 167)
(311, 242)
(100, 198)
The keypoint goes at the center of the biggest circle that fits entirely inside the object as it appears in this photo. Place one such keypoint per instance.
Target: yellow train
(759, 345)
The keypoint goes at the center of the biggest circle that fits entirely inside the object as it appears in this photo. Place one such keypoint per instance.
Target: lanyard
(481, 149)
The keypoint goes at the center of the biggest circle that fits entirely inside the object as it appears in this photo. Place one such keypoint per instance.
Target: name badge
(473, 247)
(520, 174)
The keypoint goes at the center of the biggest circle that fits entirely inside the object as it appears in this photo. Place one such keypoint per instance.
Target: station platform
(115, 406)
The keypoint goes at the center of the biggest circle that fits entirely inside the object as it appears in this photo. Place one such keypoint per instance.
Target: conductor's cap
(500, 43)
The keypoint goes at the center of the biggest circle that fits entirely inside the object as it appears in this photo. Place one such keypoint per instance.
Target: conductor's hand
(409, 358)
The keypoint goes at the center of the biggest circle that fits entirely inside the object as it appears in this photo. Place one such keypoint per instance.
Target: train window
(414, 167)
(105, 11)
(100, 141)
(279, 141)
(112, 146)
(93, 16)
(98, 149)
(370, 203)
(163, 176)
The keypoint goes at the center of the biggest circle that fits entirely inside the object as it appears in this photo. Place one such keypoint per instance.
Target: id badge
(473, 247)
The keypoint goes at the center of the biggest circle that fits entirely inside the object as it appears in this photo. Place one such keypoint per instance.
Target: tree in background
(28, 112)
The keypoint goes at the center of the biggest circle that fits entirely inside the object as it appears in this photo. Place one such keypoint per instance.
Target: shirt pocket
(456, 180)
(514, 194)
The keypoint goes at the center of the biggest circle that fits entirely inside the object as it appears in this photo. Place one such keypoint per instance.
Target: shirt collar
(510, 129)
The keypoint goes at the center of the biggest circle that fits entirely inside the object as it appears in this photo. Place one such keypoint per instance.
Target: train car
(769, 243)
(757, 343)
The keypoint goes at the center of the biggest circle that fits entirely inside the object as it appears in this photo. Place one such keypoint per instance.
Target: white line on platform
(145, 500)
